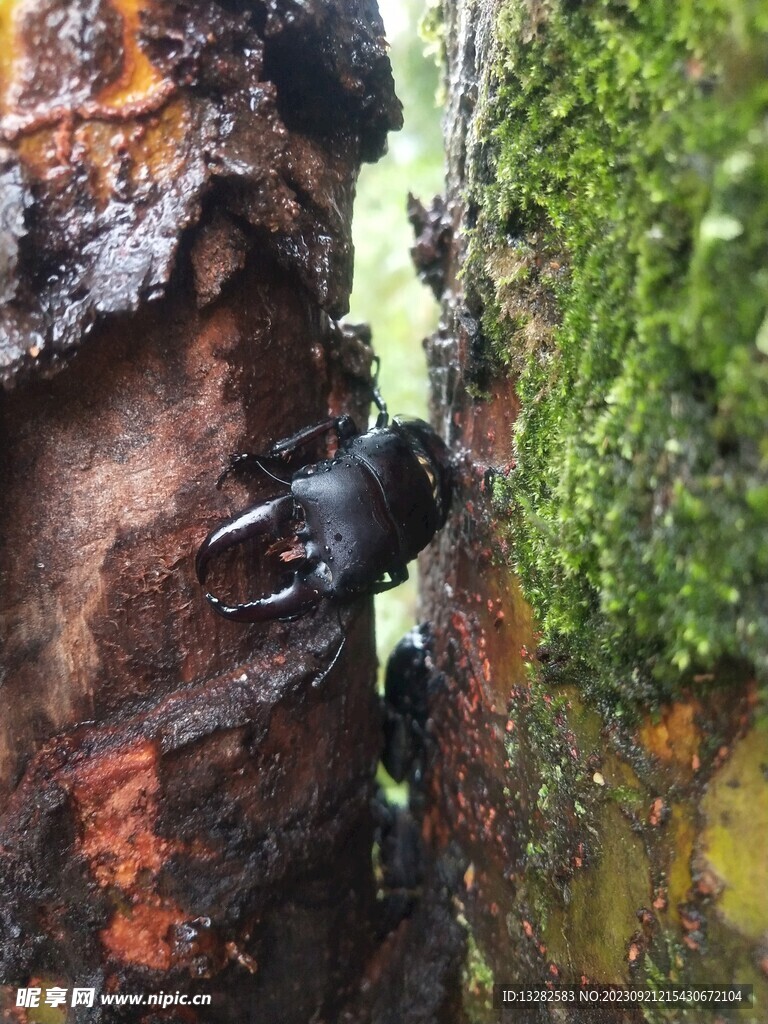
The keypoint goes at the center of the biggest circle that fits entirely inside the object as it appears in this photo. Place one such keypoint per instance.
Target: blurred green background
(387, 293)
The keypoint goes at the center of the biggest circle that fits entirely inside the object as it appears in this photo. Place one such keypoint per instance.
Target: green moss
(628, 148)
(552, 780)
(477, 985)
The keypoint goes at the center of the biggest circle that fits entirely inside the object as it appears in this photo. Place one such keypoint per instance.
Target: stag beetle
(354, 519)
(410, 671)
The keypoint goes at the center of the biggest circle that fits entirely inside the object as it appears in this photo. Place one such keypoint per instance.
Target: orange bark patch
(139, 77)
(140, 936)
(116, 796)
(7, 41)
(675, 737)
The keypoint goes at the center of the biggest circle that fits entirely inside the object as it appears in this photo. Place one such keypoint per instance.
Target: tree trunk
(594, 746)
(183, 809)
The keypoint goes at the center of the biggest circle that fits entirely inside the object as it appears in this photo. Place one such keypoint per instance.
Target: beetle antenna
(327, 671)
(278, 479)
(241, 463)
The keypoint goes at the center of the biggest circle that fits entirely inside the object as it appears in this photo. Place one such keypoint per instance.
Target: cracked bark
(181, 807)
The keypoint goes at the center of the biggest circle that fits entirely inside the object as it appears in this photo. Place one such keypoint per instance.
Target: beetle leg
(344, 426)
(397, 576)
(382, 420)
(299, 597)
(269, 517)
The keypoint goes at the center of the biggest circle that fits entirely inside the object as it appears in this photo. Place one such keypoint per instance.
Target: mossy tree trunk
(597, 732)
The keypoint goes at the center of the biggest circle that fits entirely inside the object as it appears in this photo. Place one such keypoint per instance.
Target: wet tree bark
(584, 847)
(182, 809)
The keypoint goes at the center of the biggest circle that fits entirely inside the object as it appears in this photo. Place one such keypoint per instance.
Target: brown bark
(182, 807)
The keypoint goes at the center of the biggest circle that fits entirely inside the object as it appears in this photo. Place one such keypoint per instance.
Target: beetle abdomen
(408, 476)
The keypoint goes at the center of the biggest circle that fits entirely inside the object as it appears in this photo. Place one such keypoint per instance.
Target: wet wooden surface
(181, 805)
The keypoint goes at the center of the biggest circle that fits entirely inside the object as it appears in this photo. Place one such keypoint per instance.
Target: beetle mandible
(358, 517)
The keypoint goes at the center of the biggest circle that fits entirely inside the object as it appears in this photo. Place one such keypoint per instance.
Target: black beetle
(412, 684)
(359, 516)
(407, 679)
